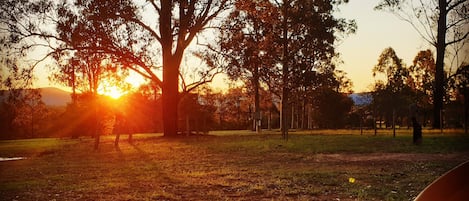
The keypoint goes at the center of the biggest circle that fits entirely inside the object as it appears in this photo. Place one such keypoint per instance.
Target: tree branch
(456, 4)
(458, 40)
(158, 9)
(144, 26)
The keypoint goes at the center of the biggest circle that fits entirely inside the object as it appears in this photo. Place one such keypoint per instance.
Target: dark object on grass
(417, 134)
(452, 186)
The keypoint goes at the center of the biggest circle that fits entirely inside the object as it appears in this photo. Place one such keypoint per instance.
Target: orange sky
(377, 30)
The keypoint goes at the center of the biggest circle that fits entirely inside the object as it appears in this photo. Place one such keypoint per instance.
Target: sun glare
(133, 81)
(112, 91)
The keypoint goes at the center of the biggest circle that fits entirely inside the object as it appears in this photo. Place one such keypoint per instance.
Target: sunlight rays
(115, 91)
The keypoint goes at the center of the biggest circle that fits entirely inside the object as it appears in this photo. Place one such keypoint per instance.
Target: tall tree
(248, 42)
(392, 95)
(451, 19)
(313, 33)
(21, 106)
(146, 37)
(30, 110)
(459, 82)
(422, 76)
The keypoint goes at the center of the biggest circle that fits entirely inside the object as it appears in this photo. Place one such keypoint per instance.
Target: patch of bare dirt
(371, 157)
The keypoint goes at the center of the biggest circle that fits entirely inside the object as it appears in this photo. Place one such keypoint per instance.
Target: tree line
(282, 51)
(24, 115)
(400, 88)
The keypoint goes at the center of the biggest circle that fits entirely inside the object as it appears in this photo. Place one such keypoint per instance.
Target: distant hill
(55, 97)
(361, 99)
(50, 96)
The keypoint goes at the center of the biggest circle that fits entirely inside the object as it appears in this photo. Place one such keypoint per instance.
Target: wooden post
(361, 125)
(441, 121)
(188, 129)
(394, 123)
(269, 121)
(374, 124)
(116, 141)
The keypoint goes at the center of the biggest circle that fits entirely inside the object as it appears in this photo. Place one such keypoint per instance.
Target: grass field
(230, 165)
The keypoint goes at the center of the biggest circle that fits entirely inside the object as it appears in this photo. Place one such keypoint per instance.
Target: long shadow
(139, 150)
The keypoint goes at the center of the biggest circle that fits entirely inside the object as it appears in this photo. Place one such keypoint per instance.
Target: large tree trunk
(438, 90)
(170, 95)
(171, 63)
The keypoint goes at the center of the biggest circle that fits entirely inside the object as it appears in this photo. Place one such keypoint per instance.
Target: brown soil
(372, 157)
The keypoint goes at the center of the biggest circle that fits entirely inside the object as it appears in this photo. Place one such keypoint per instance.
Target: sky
(376, 31)
(359, 52)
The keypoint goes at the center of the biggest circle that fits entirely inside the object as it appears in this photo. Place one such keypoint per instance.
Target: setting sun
(133, 81)
(112, 91)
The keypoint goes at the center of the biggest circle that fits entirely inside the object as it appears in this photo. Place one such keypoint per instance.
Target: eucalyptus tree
(307, 31)
(441, 23)
(249, 43)
(148, 37)
(422, 76)
(312, 36)
(392, 95)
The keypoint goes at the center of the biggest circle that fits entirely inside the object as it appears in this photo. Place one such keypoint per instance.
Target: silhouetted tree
(21, 106)
(392, 95)
(30, 110)
(331, 108)
(422, 76)
(459, 82)
(146, 45)
(441, 23)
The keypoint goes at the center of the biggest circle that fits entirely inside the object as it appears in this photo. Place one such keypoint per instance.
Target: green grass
(229, 165)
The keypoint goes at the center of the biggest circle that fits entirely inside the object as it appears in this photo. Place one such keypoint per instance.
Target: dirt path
(369, 157)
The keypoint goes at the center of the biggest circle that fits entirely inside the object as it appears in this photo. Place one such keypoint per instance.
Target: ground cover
(230, 165)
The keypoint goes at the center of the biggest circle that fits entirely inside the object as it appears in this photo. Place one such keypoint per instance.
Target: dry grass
(242, 166)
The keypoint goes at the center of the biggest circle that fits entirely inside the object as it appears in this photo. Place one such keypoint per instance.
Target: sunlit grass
(220, 166)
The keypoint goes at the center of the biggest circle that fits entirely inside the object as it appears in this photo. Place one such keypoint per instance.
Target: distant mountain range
(361, 99)
(55, 97)
(51, 96)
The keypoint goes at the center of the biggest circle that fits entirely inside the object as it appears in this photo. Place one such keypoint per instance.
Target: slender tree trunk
(281, 116)
(292, 123)
(285, 71)
(116, 141)
(394, 123)
(438, 90)
(466, 108)
(255, 80)
(303, 115)
(361, 124)
(130, 139)
(96, 118)
(296, 115)
(310, 123)
(188, 129)
(32, 120)
(269, 121)
(257, 112)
